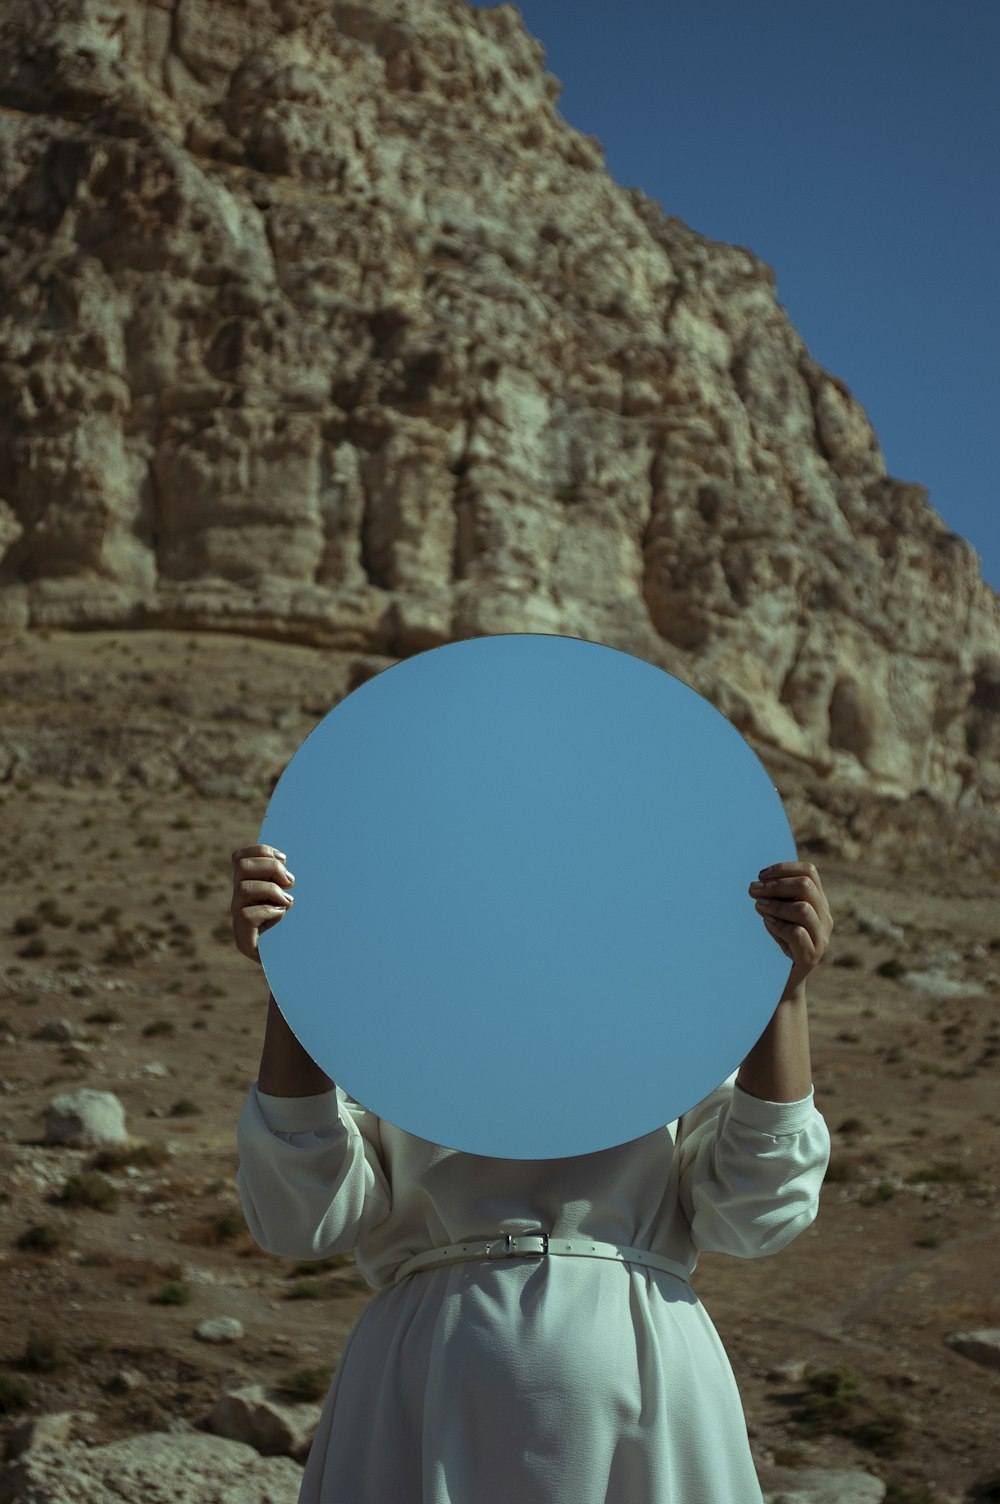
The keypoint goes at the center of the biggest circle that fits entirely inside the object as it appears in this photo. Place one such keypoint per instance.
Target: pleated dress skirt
(557, 1380)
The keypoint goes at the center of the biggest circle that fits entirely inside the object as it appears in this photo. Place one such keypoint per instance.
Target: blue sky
(856, 149)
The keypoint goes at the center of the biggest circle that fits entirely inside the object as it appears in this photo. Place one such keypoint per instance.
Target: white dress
(531, 1380)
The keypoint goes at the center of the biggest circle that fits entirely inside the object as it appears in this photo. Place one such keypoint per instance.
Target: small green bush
(230, 1225)
(15, 1393)
(310, 1267)
(918, 1493)
(41, 1237)
(305, 1289)
(306, 1383)
(91, 1190)
(210, 1232)
(830, 1401)
(883, 1432)
(42, 1353)
(103, 1016)
(834, 1403)
(144, 1156)
(941, 1174)
(792, 1456)
(53, 914)
(881, 1192)
(157, 1027)
(891, 968)
(173, 1293)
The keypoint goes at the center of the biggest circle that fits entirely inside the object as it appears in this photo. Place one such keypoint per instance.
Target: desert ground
(134, 763)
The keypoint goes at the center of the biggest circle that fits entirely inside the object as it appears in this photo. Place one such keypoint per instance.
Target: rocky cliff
(318, 322)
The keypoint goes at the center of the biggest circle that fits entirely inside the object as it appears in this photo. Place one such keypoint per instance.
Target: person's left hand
(791, 901)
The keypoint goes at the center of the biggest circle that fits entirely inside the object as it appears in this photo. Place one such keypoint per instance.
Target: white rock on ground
(791, 1371)
(156, 1468)
(219, 1329)
(821, 1485)
(938, 984)
(882, 929)
(85, 1117)
(982, 1346)
(266, 1419)
(54, 1430)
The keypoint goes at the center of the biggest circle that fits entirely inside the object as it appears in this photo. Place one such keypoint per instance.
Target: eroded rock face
(321, 323)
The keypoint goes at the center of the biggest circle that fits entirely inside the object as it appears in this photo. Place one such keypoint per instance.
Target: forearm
(779, 1067)
(286, 1070)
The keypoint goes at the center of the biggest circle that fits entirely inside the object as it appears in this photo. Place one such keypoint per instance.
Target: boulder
(85, 1118)
(219, 1329)
(266, 1419)
(982, 1346)
(821, 1485)
(156, 1468)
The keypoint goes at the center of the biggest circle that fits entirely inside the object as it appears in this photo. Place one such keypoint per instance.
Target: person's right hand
(259, 898)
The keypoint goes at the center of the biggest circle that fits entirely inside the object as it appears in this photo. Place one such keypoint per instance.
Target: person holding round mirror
(534, 1334)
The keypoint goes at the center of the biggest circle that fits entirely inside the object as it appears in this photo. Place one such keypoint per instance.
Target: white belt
(533, 1244)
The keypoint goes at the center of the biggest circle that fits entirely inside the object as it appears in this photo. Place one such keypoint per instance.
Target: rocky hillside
(318, 322)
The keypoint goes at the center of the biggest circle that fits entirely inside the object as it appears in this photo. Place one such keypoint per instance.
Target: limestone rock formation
(318, 322)
(159, 1468)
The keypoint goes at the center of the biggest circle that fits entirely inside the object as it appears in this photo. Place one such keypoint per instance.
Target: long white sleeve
(750, 1171)
(311, 1176)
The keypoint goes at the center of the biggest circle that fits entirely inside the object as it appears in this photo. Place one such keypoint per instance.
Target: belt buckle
(509, 1251)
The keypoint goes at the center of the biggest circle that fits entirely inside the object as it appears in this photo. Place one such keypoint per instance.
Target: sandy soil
(114, 913)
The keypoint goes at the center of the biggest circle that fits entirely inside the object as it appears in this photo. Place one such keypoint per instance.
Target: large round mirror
(521, 925)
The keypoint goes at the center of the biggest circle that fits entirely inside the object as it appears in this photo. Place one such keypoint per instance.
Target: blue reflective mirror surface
(521, 925)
